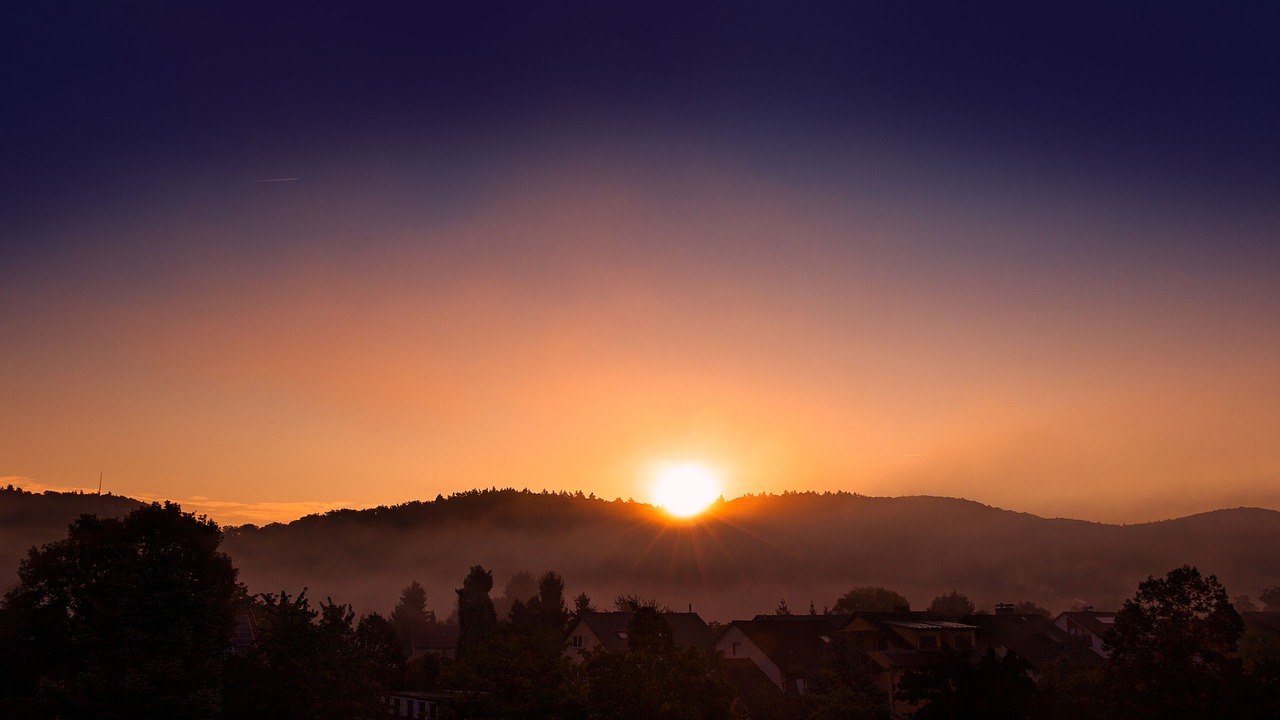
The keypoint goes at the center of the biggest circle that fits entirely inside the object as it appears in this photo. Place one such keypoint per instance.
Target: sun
(685, 489)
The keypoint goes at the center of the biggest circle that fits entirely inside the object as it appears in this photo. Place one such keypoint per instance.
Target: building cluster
(773, 658)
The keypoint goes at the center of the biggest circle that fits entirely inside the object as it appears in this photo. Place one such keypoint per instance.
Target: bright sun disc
(685, 489)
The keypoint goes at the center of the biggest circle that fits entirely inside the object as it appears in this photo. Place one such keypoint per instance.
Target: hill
(745, 555)
(30, 519)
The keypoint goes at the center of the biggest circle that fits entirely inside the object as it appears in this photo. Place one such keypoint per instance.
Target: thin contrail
(265, 180)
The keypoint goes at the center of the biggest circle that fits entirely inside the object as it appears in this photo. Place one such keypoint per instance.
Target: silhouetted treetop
(870, 599)
(953, 603)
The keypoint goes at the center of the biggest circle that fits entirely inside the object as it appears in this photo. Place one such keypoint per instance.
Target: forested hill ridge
(740, 558)
(30, 519)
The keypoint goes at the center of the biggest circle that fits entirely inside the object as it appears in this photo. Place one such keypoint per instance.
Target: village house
(788, 649)
(902, 641)
(1033, 638)
(1087, 627)
(608, 630)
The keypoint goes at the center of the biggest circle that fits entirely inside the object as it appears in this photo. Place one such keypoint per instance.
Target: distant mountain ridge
(739, 559)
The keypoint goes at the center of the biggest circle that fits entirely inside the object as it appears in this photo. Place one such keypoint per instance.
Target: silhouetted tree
(582, 604)
(519, 589)
(1260, 656)
(953, 603)
(409, 617)
(782, 608)
(829, 697)
(654, 679)
(477, 619)
(547, 609)
(1028, 607)
(846, 686)
(870, 599)
(518, 670)
(953, 688)
(382, 646)
(1172, 648)
(124, 618)
(632, 602)
(306, 663)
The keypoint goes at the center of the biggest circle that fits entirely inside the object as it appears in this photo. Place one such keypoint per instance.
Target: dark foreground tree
(123, 618)
(306, 663)
(655, 679)
(514, 669)
(1172, 649)
(953, 688)
(1068, 691)
(845, 689)
(377, 638)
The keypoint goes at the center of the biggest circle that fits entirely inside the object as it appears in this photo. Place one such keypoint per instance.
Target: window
(577, 641)
(735, 649)
(928, 642)
(964, 642)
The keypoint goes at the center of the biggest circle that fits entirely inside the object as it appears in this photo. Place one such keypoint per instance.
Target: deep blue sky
(1188, 94)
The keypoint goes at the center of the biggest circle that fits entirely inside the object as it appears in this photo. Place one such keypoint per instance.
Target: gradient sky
(1030, 258)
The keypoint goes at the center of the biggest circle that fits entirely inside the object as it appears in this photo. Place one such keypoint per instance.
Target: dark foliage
(953, 603)
(410, 618)
(869, 599)
(516, 668)
(654, 679)
(124, 618)
(1172, 649)
(1028, 607)
(953, 688)
(477, 619)
(1068, 692)
(307, 663)
(381, 645)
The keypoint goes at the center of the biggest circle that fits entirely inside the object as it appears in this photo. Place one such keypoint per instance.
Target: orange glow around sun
(685, 489)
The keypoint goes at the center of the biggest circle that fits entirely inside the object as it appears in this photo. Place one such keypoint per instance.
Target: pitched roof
(797, 644)
(1098, 623)
(687, 629)
(1034, 639)
(929, 624)
(835, 621)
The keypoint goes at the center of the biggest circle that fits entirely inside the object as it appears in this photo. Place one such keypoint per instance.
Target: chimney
(1005, 609)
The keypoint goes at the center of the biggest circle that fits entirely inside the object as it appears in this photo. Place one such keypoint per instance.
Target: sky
(266, 261)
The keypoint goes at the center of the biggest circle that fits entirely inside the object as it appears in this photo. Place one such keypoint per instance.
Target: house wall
(580, 642)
